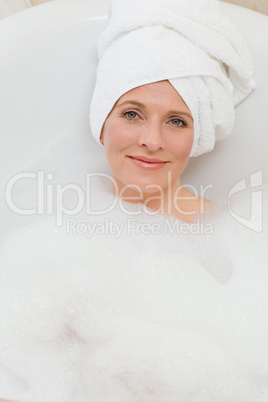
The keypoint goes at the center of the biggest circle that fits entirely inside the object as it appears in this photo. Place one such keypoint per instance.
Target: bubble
(127, 306)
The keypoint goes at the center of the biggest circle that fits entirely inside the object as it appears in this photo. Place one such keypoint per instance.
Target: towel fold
(191, 43)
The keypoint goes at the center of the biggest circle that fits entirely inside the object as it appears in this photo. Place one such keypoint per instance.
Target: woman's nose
(151, 136)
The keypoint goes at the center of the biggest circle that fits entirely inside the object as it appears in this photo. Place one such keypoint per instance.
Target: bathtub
(47, 71)
(48, 65)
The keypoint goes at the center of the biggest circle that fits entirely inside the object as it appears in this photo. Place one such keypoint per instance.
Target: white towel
(193, 44)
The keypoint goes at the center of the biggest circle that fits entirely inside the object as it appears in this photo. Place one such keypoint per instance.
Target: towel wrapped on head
(191, 43)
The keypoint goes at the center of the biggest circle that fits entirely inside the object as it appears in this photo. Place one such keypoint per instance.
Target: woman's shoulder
(189, 206)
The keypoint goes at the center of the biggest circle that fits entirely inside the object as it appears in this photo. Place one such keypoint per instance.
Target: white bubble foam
(138, 316)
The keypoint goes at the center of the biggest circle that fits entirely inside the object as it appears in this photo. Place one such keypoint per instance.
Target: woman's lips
(147, 163)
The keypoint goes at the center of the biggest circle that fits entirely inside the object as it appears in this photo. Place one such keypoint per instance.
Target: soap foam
(139, 317)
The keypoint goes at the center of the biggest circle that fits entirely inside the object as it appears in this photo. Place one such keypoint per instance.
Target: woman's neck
(177, 200)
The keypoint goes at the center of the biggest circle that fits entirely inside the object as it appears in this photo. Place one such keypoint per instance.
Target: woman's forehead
(160, 92)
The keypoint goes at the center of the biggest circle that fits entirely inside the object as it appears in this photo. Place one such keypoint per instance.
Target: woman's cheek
(122, 138)
(183, 146)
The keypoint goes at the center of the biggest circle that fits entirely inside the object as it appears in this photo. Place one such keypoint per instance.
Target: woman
(148, 320)
(191, 69)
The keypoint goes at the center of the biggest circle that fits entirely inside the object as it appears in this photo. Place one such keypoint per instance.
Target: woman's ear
(101, 139)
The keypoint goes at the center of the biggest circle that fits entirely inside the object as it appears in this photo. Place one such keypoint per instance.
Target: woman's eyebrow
(176, 112)
(132, 102)
(141, 105)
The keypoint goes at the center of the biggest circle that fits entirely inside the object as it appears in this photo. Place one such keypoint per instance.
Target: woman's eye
(130, 114)
(178, 122)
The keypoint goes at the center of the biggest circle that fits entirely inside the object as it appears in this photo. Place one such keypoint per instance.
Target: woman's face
(148, 137)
